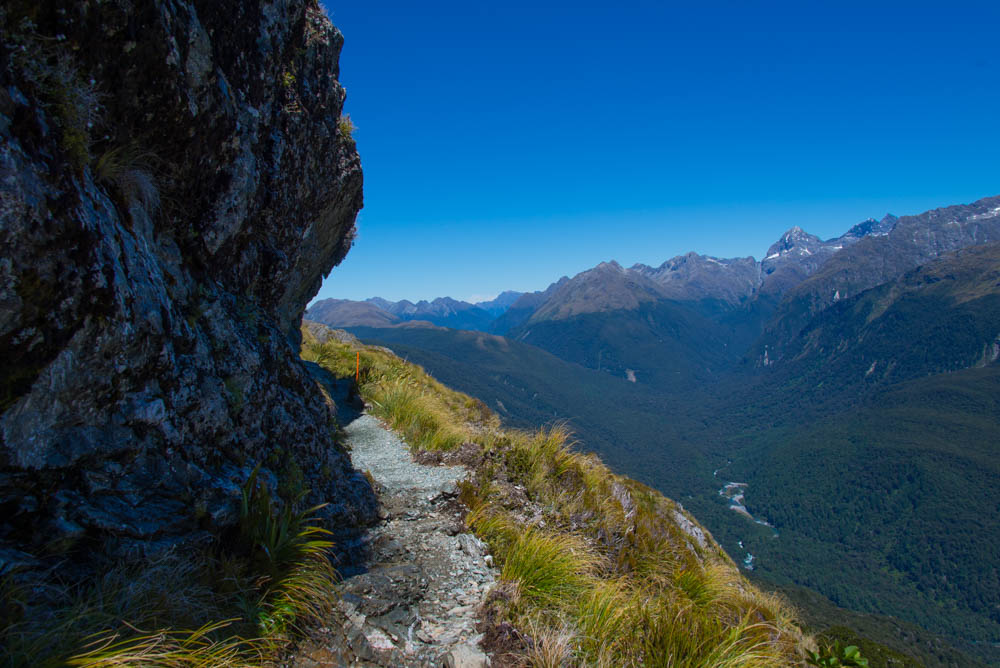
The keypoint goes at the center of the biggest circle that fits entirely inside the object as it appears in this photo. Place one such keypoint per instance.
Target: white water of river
(735, 492)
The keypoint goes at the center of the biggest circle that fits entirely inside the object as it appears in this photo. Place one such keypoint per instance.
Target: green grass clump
(595, 568)
(428, 415)
(184, 649)
(246, 599)
(347, 127)
(549, 568)
(289, 550)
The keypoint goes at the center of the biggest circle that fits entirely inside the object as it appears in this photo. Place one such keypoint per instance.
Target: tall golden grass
(605, 575)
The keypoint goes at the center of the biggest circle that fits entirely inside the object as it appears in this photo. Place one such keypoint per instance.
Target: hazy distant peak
(504, 299)
(695, 277)
(611, 265)
(501, 303)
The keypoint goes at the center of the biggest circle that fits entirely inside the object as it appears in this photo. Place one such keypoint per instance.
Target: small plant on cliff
(278, 538)
(47, 65)
(346, 127)
(129, 171)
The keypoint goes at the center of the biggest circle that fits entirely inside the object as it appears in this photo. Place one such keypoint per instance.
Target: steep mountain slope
(694, 277)
(620, 321)
(664, 344)
(347, 313)
(595, 568)
(912, 241)
(874, 443)
(606, 287)
(529, 387)
(791, 259)
(943, 316)
(523, 308)
(658, 441)
(889, 507)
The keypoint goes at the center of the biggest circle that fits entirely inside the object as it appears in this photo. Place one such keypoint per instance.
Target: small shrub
(834, 656)
(346, 127)
(129, 170)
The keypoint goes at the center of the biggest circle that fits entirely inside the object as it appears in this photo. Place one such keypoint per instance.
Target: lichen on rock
(159, 250)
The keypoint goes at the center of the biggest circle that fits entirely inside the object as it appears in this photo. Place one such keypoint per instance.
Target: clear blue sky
(505, 144)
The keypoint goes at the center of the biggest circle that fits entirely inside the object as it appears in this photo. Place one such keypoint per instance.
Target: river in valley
(735, 492)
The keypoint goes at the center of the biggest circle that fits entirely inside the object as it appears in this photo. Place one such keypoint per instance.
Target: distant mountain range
(610, 287)
(686, 321)
(694, 317)
(443, 312)
(852, 383)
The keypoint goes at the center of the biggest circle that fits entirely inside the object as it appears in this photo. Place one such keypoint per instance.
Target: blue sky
(506, 144)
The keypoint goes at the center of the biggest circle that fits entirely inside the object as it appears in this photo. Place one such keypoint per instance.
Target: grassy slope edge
(595, 568)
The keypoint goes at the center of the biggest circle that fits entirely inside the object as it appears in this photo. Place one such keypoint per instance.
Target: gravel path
(414, 601)
(379, 451)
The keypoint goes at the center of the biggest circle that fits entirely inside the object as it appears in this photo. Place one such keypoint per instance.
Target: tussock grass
(595, 568)
(242, 603)
(552, 647)
(184, 649)
(427, 414)
(550, 569)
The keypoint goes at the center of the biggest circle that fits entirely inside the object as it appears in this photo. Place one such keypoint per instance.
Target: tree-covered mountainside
(890, 507)
(672, 443)
(664, 344)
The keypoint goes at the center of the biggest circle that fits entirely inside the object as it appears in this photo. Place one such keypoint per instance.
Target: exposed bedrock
(174, 186)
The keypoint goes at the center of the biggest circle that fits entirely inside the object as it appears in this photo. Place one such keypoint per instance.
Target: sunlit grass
(550, 569)
(611, 579)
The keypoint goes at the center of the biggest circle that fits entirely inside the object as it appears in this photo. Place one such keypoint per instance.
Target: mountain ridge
(689, 277)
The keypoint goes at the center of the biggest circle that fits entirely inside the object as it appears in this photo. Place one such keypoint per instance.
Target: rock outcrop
(175, 181)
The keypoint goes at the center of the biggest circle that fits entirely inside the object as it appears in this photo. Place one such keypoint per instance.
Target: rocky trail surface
(412, 597)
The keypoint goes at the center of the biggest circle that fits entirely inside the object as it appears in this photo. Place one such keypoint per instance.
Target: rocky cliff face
(175, 182)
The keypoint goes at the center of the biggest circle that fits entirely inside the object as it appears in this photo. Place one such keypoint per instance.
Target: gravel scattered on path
(415, 601)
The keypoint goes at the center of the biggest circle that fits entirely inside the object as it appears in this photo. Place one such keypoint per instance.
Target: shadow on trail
(352, 549)
(341, 390)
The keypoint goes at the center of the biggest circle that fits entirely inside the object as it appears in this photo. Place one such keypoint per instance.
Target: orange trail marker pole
(357, 369)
